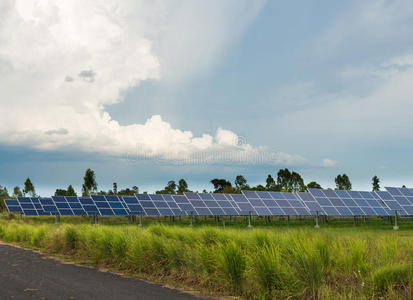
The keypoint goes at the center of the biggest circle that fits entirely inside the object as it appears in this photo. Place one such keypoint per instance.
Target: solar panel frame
(390, 202)
(404, 197)
(27, 206)
(349, 203)
(13, 206)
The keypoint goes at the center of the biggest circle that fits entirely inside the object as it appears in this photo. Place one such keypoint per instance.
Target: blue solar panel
(349, 203)
(276, 203)
(243, 205)
(13, 206)
(403, 197)
(184, 204)
(27, 206)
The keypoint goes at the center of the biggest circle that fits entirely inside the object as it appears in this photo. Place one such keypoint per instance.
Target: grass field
(337, 261)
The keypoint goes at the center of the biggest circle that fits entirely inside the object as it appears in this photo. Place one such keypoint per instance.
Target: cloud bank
(63, 62)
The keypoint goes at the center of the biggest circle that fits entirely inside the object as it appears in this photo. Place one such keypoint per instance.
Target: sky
(144, 92)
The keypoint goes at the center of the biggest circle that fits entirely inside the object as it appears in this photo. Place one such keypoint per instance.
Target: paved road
(25, 274)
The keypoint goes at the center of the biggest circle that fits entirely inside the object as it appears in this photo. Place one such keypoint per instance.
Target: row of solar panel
(324, 202)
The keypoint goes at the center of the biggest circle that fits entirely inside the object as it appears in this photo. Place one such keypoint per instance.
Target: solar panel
(404, 197)
(172, 205)
(310, 202)
(27, 206)
(102, 205)
(215, 207)
(161, 205)
(390, 202)
(184, 204)
(227, 204)
(244, 206)
(89, 206)
(148, 205)
(118, 207)
(133, 205)
(349, 203)
(75, 206)
(13, 206)
(276, 203)
(199, 204)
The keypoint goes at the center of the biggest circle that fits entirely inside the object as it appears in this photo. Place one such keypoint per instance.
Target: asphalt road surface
(25, 274)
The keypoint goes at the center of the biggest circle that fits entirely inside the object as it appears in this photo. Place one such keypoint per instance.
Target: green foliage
(392, 276)
(375, 182)
(89, 182)
(29, 188)
(233, 264)
(17, 192)
(313, 185)
(182, 187)
(220, 184)
(241, 183)
(290, 181)
(271, 274)
(342, 182)
(261, 263)
(3, 196)
(69, 192)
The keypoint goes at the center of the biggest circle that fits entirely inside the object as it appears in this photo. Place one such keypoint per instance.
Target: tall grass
(256, 264)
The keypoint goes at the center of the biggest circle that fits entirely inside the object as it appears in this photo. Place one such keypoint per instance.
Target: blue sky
(147, 92)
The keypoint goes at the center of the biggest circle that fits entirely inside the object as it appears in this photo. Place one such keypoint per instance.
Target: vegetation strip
(259, 263)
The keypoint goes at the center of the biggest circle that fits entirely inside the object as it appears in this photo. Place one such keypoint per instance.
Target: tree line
(285, 181)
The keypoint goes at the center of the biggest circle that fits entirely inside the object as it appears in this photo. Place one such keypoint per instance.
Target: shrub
(391, 276)
(233, 264)
(267, 265)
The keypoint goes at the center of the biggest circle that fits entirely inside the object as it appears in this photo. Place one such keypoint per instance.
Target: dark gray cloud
(60, 131)
(87, 75)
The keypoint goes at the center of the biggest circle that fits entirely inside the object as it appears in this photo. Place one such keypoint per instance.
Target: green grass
(337, 261)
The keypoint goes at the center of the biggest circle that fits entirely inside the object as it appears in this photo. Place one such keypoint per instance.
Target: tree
(220, 184)
(313, 185)
(71, 191)
(17, 192)
(4, 194)
(171, 187)
(182, 186)
(127, 192)
(89, 184)
(135, 189)
(270, 183)
(290, 181)
(29, 188)
(115, 188)
(241, 183)
(375, 183)
(342, 182)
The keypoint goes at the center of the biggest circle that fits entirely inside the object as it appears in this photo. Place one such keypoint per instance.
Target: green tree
(4, 194)
(375, 183)
(182, 186)
(127, 192)
(290, 181)
(17, 192)
(220, 184)
(29, 188)
(270, 184)
(259, 187)
(115, 188)
(135, 189)
(71, 191)
(342, 182)
(89, 184)
(313, 185)
(171, 187)
(241, 183)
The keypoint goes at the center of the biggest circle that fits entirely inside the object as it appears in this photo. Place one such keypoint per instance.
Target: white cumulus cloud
(62, 62)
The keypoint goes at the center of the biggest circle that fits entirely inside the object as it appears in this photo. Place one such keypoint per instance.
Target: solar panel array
(349, 203)
(404, 197)
(261, 203)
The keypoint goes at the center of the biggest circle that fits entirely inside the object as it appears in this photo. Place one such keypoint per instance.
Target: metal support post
(395, 227)
(316, 220)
